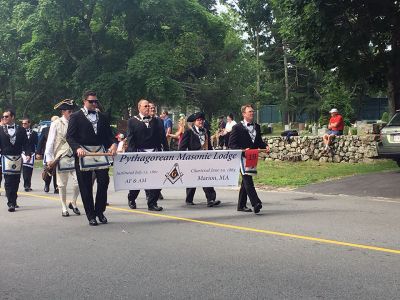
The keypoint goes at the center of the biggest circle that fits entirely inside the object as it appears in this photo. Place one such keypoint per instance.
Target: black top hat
(67, 104)
(195, 116)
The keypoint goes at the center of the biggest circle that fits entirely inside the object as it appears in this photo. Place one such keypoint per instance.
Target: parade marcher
(13, 140)
(145, 134)
(59, 155)
(27, 166)
(221, 128)
(40, 155)
(247, 135)
(197, 138)
(90, 131)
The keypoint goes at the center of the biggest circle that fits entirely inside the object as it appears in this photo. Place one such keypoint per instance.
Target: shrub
(385, 117)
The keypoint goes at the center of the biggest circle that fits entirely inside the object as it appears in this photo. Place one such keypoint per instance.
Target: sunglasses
(5, 117)
(93, 101)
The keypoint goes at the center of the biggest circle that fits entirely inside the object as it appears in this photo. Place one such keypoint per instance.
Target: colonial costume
(59, 154)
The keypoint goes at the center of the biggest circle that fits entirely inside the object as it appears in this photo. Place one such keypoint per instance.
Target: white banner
(175, 169)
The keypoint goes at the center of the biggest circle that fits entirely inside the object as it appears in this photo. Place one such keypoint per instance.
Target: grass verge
(292, 175)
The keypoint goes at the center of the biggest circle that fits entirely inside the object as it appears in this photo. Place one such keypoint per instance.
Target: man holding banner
(145, 134)
(197, 138)
(247, 135)
(13, 140)
(89, 131)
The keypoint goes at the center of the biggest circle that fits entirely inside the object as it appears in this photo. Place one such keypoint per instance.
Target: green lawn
(295, 174)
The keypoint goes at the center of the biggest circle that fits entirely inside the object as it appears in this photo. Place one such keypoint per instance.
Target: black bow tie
(12, 126)
(146, 118)
(250, 124)
(93, 112)
(201, 130)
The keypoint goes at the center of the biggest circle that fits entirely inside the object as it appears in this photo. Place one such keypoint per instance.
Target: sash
(29, 163)
(89, 163)
(11, 164)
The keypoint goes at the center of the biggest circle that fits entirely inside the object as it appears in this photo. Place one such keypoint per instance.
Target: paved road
(384, 184)
(303, 246)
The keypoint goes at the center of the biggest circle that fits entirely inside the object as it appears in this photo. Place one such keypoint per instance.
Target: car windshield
(395, 121)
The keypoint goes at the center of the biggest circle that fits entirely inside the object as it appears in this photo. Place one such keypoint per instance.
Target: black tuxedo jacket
(142, 137)
(81, 133)
(240, 138)
(190, 141)
(43, 140)
(32, 141)
(21, 142)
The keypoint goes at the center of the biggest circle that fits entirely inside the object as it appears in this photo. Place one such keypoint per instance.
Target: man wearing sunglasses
(90, 131)
(27, 165)
(13, 140)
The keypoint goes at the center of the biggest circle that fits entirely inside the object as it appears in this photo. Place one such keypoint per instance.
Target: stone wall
(350, 149)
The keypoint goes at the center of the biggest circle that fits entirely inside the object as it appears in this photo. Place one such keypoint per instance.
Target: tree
(359, 39)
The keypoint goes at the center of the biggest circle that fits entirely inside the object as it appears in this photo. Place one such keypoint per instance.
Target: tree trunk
(285, 65)
(393, 66)
(258, 78)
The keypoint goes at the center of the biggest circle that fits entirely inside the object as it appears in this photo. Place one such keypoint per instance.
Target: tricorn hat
(195, 116)
(67, 104)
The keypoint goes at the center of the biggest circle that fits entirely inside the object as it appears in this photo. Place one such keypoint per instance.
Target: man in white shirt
(59, 155)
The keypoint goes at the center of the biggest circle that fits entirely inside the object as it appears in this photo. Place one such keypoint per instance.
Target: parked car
(39, 127)
(389, 143)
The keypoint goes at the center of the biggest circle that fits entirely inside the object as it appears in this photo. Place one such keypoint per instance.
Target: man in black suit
(13, 140)
(198, 138)
(146, 134)
(88, 131)
(40, 155)
(27, 166)
(247, 135)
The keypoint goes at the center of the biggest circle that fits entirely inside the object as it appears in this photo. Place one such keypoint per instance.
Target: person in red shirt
(335, 128)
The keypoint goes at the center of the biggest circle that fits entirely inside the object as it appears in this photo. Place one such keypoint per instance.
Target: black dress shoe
(257, 208)
(56, 191)
(16, 206)
(93, 222)
(161, 197)
(26, 189)
(155, 208)
(11, 208)
(132, 204)
(46, 188)
(190, 203)
(102, 219)
(74, 209)
(213, 203)
(65, 214)
(245, 209)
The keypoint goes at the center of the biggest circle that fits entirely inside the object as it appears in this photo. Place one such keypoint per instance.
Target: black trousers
(208, 191)
(151, 195)
(247, 189)
(11, 184)
(221, 140)
(27, 175)
(48, 181)
(93, 207)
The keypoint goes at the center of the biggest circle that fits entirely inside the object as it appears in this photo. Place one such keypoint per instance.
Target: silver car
(389, 143)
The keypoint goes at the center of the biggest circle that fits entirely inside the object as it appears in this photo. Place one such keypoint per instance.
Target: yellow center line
(242, 228)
